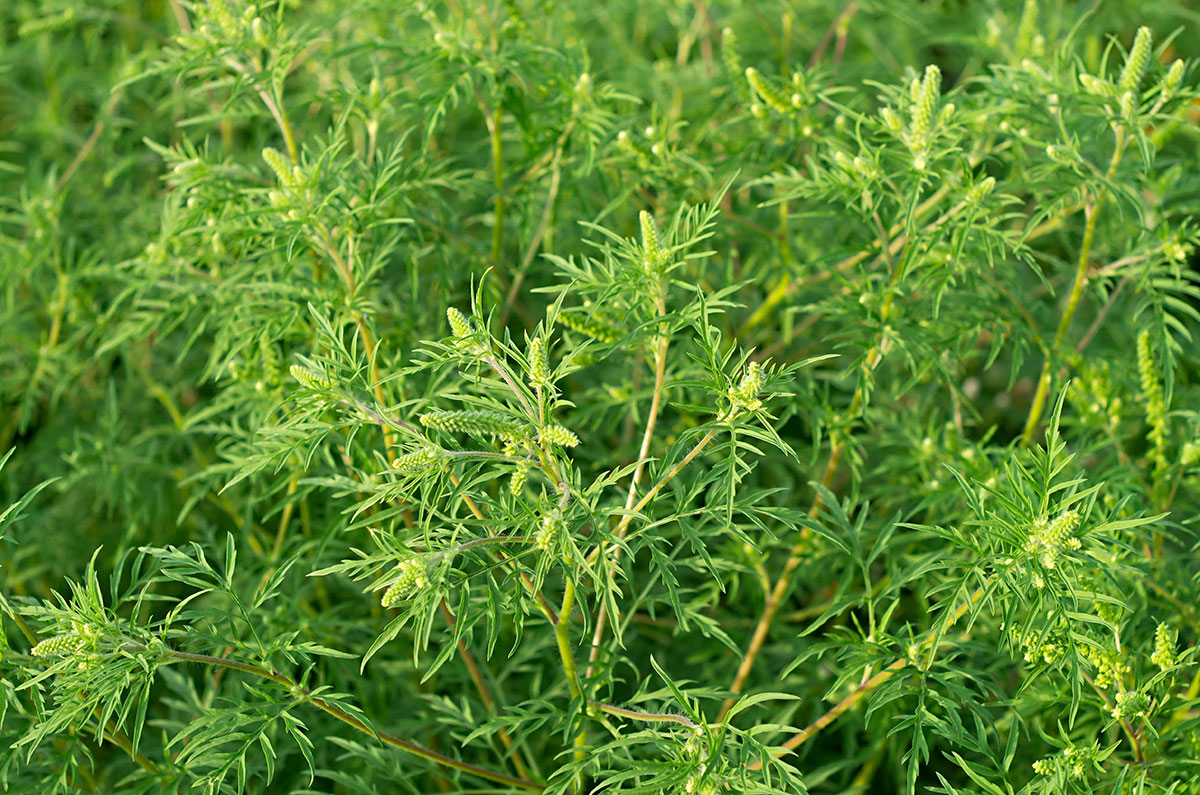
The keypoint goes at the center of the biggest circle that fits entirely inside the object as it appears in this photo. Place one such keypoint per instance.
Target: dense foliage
(517, 396)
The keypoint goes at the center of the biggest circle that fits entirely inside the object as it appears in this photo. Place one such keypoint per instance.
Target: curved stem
(345, 717)
(660, 366)
(645, 717)
(1042, 390)
(779, 591)
(875, 681)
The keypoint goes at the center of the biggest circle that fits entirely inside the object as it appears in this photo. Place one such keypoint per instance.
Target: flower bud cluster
(1189, 454)
(60, 646)
(768, 93)
(1131, 704)
(318, 382)
(1050, 538)
(466, 332)
(861, 174)
(420, 460)
(1152, 396)
(550, 530)
(1110, 668)
(539, 366)
(1046, 647)
(410, 578)
(596, 329)
(478, 422)
(48, 24)
(1135, 62)
(557, 436)
(295, 185)
(1028, 40)
(923, 97)
(1092, 396)
(220, 26)
(1073, 763)
(460, 327)
(85, 646)
(1172, 79)
(702, 780)
(1164, 647)
(744, 396)
(519, 476)
(731, 57)
(653, 255)
(980, 190)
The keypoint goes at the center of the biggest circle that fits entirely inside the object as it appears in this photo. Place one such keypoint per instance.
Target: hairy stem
(562, 634)
(645, 717)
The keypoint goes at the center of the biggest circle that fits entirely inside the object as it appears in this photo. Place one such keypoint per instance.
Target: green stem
(645, 717)
(657, 487)
(562, 633)
(875, 681)
(345, 717)
(1038, 406)
(779, 590)
(122, 741)
(660, 364)
(285, 126)
(498, 183)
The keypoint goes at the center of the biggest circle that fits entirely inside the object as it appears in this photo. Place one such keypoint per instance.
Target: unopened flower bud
(410, 578)
(1135, 62)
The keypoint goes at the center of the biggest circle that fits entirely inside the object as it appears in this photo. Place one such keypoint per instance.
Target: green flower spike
(410, 579)
(479, 422)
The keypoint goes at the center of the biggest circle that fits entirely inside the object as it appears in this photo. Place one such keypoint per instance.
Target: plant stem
(122, 741)
(481, 687)
(1038, 406)
(875, 681)
(325, 238)
(547, 610)
(779, 590)
(660, 366)
(1125, 725)
(493, 124)
(345, 717)
(656, 488)
(786, 287)
(562, 634)
(645, 717)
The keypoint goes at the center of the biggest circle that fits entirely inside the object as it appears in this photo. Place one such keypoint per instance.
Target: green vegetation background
(154, 292)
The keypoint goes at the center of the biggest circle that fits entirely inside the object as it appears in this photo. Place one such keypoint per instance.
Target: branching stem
(1042, 390)
(305, 694)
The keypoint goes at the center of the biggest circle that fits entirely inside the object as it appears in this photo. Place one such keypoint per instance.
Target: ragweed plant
(613, 397)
